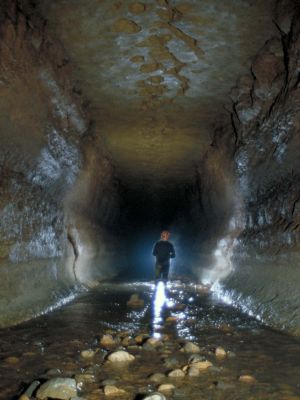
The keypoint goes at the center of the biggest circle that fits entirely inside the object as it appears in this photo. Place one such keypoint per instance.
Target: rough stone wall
(262, 257)
(42, 155)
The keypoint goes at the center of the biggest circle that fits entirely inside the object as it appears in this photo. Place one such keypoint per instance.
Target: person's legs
(158, 271)
(165, 272)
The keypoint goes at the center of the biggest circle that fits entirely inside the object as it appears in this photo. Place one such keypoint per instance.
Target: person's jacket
(163, 250)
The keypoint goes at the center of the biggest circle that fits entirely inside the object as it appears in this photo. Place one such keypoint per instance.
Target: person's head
(165, 235)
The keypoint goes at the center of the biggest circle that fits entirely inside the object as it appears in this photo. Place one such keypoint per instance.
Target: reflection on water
(159, 301)
(54, 341)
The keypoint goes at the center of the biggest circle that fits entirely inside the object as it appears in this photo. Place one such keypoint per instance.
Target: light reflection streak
(231, 298)
(160, 300)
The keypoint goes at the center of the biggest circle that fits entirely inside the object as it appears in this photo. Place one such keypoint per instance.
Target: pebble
(107, 340)
(88, 353)
(54, 372)
(247, 379)
(110, 390)
(155, 396)
(120, 356)
(190, 347)
(220, 352)
(135, 301)
(202, 365)
(57, 388)
(171, 319)
(154, 342)
(126, 341)
(166, 387)
(12, 360)
(140, 338)
(157, 377)
(176, 373)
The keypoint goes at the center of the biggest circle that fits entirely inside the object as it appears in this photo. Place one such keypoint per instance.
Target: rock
(157, 377)
(120, 356)
(135, 301)
(190, 347)
(171, 319)
(202, 365)
(53, 372)
(137, 8)
(82, 379)
(12, 360)
(154, 342)
(107, 341)
(110, 390)
(88, 353)
(193, 371)
(155, 396)
(58, 388)
(220, 352)
(247, 379)
(185, 368)
(31, 388)
(124, 25)
(176, 373)
(195, 358)
(166, 387)
(126, 341)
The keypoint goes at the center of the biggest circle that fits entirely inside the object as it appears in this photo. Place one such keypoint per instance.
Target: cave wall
(45, 153)
(256, 260)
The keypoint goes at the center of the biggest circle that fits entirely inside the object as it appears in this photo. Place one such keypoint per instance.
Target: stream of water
(184, 312)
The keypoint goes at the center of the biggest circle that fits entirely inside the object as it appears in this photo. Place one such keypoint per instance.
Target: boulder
(57, 388)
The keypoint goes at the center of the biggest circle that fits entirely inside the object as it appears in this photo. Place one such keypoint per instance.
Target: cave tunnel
(120, 119)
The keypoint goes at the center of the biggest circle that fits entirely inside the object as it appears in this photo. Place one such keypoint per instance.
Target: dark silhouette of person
(163, 250)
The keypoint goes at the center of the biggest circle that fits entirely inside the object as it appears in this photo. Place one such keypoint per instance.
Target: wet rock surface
(256, 259)
(54, 343)
(44, 143)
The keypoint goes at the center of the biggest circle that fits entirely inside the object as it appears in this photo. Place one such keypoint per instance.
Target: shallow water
(54, 341)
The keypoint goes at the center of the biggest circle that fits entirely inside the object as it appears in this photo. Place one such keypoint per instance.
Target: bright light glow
(160, 300)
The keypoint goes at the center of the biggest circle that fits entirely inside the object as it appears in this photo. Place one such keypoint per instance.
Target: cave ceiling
(157, 73)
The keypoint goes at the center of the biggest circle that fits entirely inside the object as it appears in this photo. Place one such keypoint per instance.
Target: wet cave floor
(52, 345)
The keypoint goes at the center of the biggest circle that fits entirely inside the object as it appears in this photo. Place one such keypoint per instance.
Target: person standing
(163, 250)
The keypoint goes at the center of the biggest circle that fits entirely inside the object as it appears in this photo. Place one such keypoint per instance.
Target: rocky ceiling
(157, 73)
